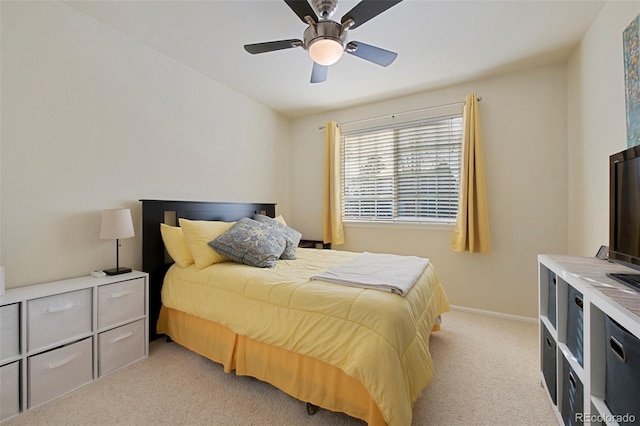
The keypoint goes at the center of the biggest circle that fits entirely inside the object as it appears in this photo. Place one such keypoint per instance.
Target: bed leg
(169, 339)
(311, 409)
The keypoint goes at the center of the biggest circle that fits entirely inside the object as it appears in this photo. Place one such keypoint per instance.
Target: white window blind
(408, 172)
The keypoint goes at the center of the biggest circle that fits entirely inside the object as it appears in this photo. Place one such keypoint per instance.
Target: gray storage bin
(572, 396)
(575, 324)
(9, 331)
(9, 390)
(551, 300)
(58, 318)
(58, 371)
(548, 356)
(622, 373)
(120, 346)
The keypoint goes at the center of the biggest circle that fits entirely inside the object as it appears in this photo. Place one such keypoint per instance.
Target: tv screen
(624, 215)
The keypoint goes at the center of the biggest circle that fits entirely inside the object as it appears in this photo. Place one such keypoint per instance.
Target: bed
(347, 349)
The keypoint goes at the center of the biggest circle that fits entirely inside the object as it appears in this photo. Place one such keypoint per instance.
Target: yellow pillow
(176, 245)
(198, 233)
(280, 219)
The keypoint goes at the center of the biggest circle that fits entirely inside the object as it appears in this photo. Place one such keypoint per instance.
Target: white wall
(523, 117)
(0, 142)
(92, 119)
(596, 123)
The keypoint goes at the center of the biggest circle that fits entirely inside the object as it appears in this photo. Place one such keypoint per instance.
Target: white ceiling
(439, 43)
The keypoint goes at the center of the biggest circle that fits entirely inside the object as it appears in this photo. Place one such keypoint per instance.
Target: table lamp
(116, 224)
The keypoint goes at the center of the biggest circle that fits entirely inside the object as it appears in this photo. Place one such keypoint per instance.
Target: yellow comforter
(379, 338)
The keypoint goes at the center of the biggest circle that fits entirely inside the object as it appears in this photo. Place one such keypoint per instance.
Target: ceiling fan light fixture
(325, 51)
(325, 39)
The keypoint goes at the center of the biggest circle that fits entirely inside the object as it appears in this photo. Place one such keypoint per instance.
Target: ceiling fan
(326, 39)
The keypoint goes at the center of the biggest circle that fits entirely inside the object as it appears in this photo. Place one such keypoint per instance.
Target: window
(407, 172)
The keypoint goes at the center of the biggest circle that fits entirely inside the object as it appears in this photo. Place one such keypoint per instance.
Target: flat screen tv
(624, 213)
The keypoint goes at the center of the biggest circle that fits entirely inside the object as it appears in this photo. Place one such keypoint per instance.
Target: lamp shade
(116, 224)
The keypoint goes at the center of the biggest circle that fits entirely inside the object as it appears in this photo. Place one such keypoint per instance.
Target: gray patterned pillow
(292, 236)
(252, 243)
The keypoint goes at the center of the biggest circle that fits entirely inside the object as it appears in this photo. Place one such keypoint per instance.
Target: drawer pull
(578, 301)
(67, 360)
(120, 294)
(66, 307)
(617, 348)
(548, 342)
(124, 336)
(572, 380)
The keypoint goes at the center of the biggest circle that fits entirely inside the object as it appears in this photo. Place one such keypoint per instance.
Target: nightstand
(316, 244)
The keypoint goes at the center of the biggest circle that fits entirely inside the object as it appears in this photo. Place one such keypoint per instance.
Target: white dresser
(56, 337)
(576, 302)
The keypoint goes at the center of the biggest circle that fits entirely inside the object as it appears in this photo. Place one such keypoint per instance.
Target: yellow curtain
(332, 230)
(471, 232)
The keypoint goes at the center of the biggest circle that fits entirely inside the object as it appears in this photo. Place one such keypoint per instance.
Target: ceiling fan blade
(302, 8)
(370, 53)
(271, 46)
(319, 73)
(366, 10)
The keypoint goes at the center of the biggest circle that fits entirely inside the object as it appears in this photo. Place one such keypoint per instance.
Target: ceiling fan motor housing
(324, 30)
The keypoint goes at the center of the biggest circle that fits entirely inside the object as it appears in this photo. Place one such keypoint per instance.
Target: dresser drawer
(120, 346)
(58, 318)
(120, 302)
(59, 371)
(9, 390)
(9, 331)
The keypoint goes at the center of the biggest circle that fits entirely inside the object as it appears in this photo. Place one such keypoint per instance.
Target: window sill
(427, 226)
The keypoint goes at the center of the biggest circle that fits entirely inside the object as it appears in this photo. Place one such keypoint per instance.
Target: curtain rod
(402, 113)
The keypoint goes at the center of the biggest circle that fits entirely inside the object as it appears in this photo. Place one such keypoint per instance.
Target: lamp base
(117, 271)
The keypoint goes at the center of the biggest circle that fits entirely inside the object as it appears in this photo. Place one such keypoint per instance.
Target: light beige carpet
(486, 373)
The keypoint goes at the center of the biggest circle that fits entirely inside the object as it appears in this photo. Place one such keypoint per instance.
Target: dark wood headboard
(155, 212)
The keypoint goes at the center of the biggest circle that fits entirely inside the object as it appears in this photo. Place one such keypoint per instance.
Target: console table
(578, 302)
(58, 336)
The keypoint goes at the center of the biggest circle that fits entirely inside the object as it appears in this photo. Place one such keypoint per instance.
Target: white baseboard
(495, 314)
